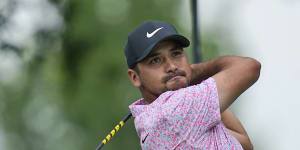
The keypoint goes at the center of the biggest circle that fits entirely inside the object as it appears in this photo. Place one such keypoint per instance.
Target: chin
(177, 86)
(177, 83)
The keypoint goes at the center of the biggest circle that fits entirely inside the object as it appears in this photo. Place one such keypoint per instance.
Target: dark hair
(136, 69)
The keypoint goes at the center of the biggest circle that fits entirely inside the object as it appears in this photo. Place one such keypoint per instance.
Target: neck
(148, 96)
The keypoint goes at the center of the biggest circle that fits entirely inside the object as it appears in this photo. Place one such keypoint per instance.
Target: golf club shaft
(112, 132)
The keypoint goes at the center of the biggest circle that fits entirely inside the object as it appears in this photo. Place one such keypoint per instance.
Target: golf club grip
(112, 132)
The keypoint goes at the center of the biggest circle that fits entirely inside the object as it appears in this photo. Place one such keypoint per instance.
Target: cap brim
(183, 41)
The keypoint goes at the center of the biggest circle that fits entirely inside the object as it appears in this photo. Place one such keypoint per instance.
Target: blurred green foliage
(74, 88)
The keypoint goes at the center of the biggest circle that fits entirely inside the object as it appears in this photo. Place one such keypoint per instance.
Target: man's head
(156, 60)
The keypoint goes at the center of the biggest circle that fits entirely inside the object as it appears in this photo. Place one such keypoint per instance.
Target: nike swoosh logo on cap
(149, 35)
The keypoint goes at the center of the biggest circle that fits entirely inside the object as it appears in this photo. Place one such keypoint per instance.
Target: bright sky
(268, 31)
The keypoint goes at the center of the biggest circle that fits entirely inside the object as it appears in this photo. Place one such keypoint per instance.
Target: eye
(155, 60)
(177, 53)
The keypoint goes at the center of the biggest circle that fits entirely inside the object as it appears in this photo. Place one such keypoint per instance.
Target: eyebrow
(176, 47)
(153, 54)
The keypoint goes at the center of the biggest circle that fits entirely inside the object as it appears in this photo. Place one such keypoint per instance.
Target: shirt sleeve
(193, 110)
(185, 114)
(200, 106)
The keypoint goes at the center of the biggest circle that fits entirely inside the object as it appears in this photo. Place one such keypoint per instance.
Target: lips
(175, 78)
(176, 74)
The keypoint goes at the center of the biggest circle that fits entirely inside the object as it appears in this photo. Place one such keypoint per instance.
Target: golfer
(185, 106)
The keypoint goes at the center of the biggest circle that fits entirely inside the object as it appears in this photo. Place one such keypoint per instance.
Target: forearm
(209, 68)
(236, 129)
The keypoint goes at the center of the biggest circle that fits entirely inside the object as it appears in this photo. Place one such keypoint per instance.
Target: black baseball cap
(145, 37)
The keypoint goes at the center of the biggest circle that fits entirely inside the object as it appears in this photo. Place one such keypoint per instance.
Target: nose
(171, 66)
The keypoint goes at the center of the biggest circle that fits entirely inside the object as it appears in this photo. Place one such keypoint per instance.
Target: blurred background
(63, 79)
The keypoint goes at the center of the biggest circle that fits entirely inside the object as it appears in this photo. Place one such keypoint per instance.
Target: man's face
(165, 68)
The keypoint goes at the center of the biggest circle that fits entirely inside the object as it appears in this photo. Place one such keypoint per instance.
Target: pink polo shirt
(185, 119)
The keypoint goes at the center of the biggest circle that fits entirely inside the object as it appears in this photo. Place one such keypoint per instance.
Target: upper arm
(233, 80)
(236, 129)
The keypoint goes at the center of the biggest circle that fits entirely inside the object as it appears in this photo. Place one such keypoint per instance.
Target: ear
(134, 78)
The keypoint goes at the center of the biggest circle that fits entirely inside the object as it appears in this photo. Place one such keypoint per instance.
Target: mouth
(175, 78)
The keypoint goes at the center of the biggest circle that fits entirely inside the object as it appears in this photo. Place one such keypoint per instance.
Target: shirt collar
(138, 107)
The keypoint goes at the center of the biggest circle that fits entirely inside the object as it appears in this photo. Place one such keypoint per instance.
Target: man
(185, 106)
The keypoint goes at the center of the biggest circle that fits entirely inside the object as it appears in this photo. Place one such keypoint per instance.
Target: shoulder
(137, 107)
(205, 86)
